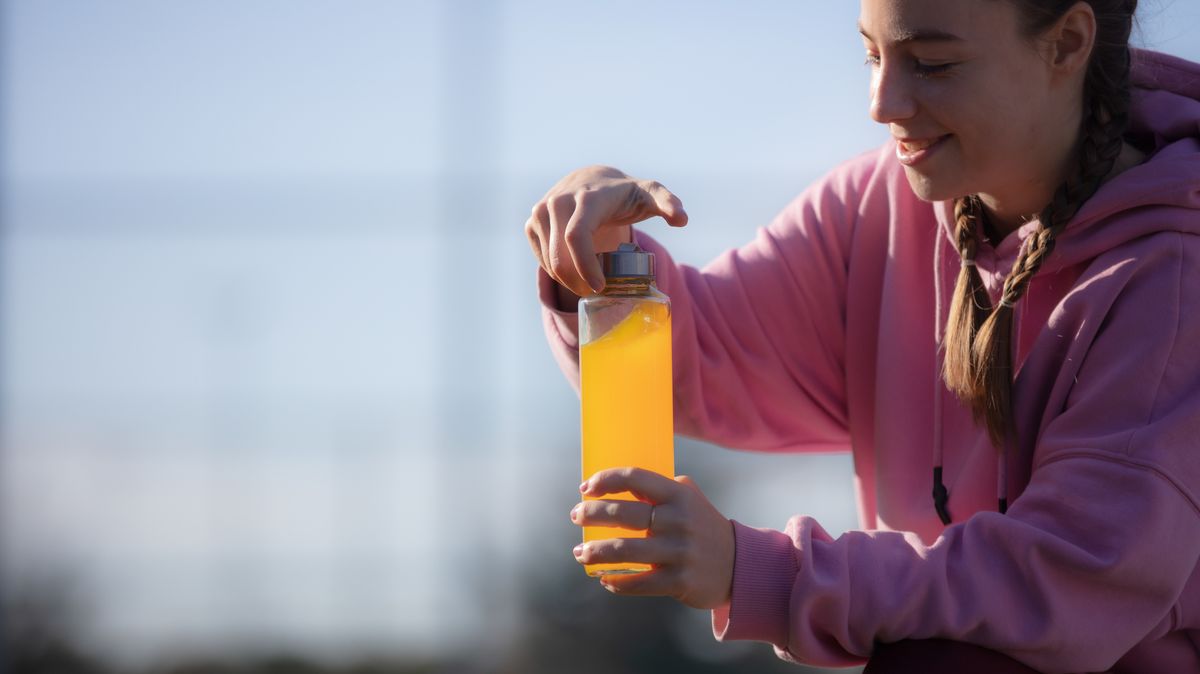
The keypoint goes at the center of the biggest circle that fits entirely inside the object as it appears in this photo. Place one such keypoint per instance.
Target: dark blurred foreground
(575, 627)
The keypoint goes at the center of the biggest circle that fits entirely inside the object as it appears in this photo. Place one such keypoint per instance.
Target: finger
(687, 481)
(669, 206)
(561, 207)
(639, 550)
(534, 243)
(656, 583)
(644, 484)
(625, 514)
(541, 227)
(578, 235)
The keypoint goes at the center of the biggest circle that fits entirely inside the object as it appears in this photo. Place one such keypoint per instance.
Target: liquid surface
(627, 407)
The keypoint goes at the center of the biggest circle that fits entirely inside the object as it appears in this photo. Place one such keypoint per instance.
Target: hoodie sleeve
(758, 334)
(1091, 558)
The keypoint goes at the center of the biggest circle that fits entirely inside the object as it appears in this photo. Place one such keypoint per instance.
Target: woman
(1001, 306)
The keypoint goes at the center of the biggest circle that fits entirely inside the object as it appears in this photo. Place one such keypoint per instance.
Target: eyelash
(922, 70)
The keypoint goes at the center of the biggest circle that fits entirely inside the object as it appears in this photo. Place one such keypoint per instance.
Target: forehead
(891, 21)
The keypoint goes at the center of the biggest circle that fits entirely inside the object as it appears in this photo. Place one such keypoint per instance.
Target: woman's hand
(590, 211)
(689, 544)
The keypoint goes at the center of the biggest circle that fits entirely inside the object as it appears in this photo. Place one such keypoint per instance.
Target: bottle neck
(625, 286)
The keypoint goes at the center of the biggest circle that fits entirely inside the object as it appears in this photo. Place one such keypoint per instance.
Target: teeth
(917, 145)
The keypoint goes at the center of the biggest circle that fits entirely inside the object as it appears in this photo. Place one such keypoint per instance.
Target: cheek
(985, 129)
(1005, 139)
(1000, 125)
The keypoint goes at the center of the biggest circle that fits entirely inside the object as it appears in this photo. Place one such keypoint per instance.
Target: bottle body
(626, 394)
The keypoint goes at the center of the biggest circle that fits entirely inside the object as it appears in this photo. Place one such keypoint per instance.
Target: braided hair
(978, 364)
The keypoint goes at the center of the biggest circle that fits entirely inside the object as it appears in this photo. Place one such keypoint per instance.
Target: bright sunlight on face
(968, 97)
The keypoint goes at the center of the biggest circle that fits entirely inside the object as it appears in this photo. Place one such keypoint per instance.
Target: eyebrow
(918, 35)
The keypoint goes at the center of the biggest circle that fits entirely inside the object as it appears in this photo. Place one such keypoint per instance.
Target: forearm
(1054, 585)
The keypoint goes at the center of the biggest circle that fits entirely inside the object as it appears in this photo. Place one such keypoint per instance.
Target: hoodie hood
(1165, 123)
(1160, 194)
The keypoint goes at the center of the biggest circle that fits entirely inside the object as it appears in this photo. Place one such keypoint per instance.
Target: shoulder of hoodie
(1135, 316)
(1155, 233)
(1168, 252)
(1160, 270)
(1156, 70)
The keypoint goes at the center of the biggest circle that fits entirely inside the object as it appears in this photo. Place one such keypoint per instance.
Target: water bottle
(625, 377)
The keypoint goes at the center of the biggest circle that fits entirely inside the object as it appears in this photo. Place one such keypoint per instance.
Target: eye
(932, 69)
(923, 70)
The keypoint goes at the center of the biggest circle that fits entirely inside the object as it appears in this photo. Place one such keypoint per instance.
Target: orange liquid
(626, 409)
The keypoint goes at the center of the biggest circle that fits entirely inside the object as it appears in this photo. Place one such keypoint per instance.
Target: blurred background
(274, 394)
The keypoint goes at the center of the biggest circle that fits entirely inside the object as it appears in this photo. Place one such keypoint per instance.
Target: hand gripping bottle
(625, 374)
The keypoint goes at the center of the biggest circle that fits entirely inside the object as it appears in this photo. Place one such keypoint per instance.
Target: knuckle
(675, 581)
(590, 553)
(586, 512)
(688, 532)
(612, 510)
(688, 558)
(678, 552)
(574, 233)
(561, 201)
(559, 264)
(620, 546)
(538, 210)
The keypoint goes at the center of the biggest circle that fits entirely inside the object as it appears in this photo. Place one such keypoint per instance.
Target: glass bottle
(625, 381)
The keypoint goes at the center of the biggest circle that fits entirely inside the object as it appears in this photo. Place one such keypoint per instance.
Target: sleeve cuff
(764, 570)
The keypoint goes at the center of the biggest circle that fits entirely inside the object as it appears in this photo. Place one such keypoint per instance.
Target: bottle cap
(627, 261)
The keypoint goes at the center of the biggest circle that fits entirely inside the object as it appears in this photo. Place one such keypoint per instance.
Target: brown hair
(978, 351)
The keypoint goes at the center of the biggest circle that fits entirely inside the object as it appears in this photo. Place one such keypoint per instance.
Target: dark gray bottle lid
(628, 260)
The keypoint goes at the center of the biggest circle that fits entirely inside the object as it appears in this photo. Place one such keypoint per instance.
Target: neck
(1031, 185)
(1004, 214)
(1015, 204)
(1003, 218)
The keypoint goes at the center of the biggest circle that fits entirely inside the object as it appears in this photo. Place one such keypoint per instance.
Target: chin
(929, 188)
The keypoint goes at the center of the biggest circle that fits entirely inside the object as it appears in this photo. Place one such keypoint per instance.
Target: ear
(1070, 40)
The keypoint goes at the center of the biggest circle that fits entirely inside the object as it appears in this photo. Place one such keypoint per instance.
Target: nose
(892, 98)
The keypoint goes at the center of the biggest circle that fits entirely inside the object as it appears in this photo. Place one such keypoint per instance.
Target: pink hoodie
(822, 334)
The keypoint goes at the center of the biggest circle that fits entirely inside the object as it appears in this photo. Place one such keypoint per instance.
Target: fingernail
(597, 285)
(583, 488)
(575, 513)
(578, 551)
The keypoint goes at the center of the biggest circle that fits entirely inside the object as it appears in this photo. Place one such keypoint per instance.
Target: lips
(912, 151)
(915, 145)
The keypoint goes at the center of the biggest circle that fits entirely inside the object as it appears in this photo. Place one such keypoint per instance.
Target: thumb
(667, 204)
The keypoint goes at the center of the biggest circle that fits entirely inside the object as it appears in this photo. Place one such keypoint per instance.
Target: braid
(978, 365)
(970, 304)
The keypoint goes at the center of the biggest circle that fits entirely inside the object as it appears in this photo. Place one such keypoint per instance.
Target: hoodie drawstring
(941, 495)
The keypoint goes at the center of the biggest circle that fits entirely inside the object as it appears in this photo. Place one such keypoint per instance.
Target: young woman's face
(966, 94)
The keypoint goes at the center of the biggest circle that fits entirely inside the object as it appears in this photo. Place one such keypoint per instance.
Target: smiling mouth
(915, 151)
(910, 146)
